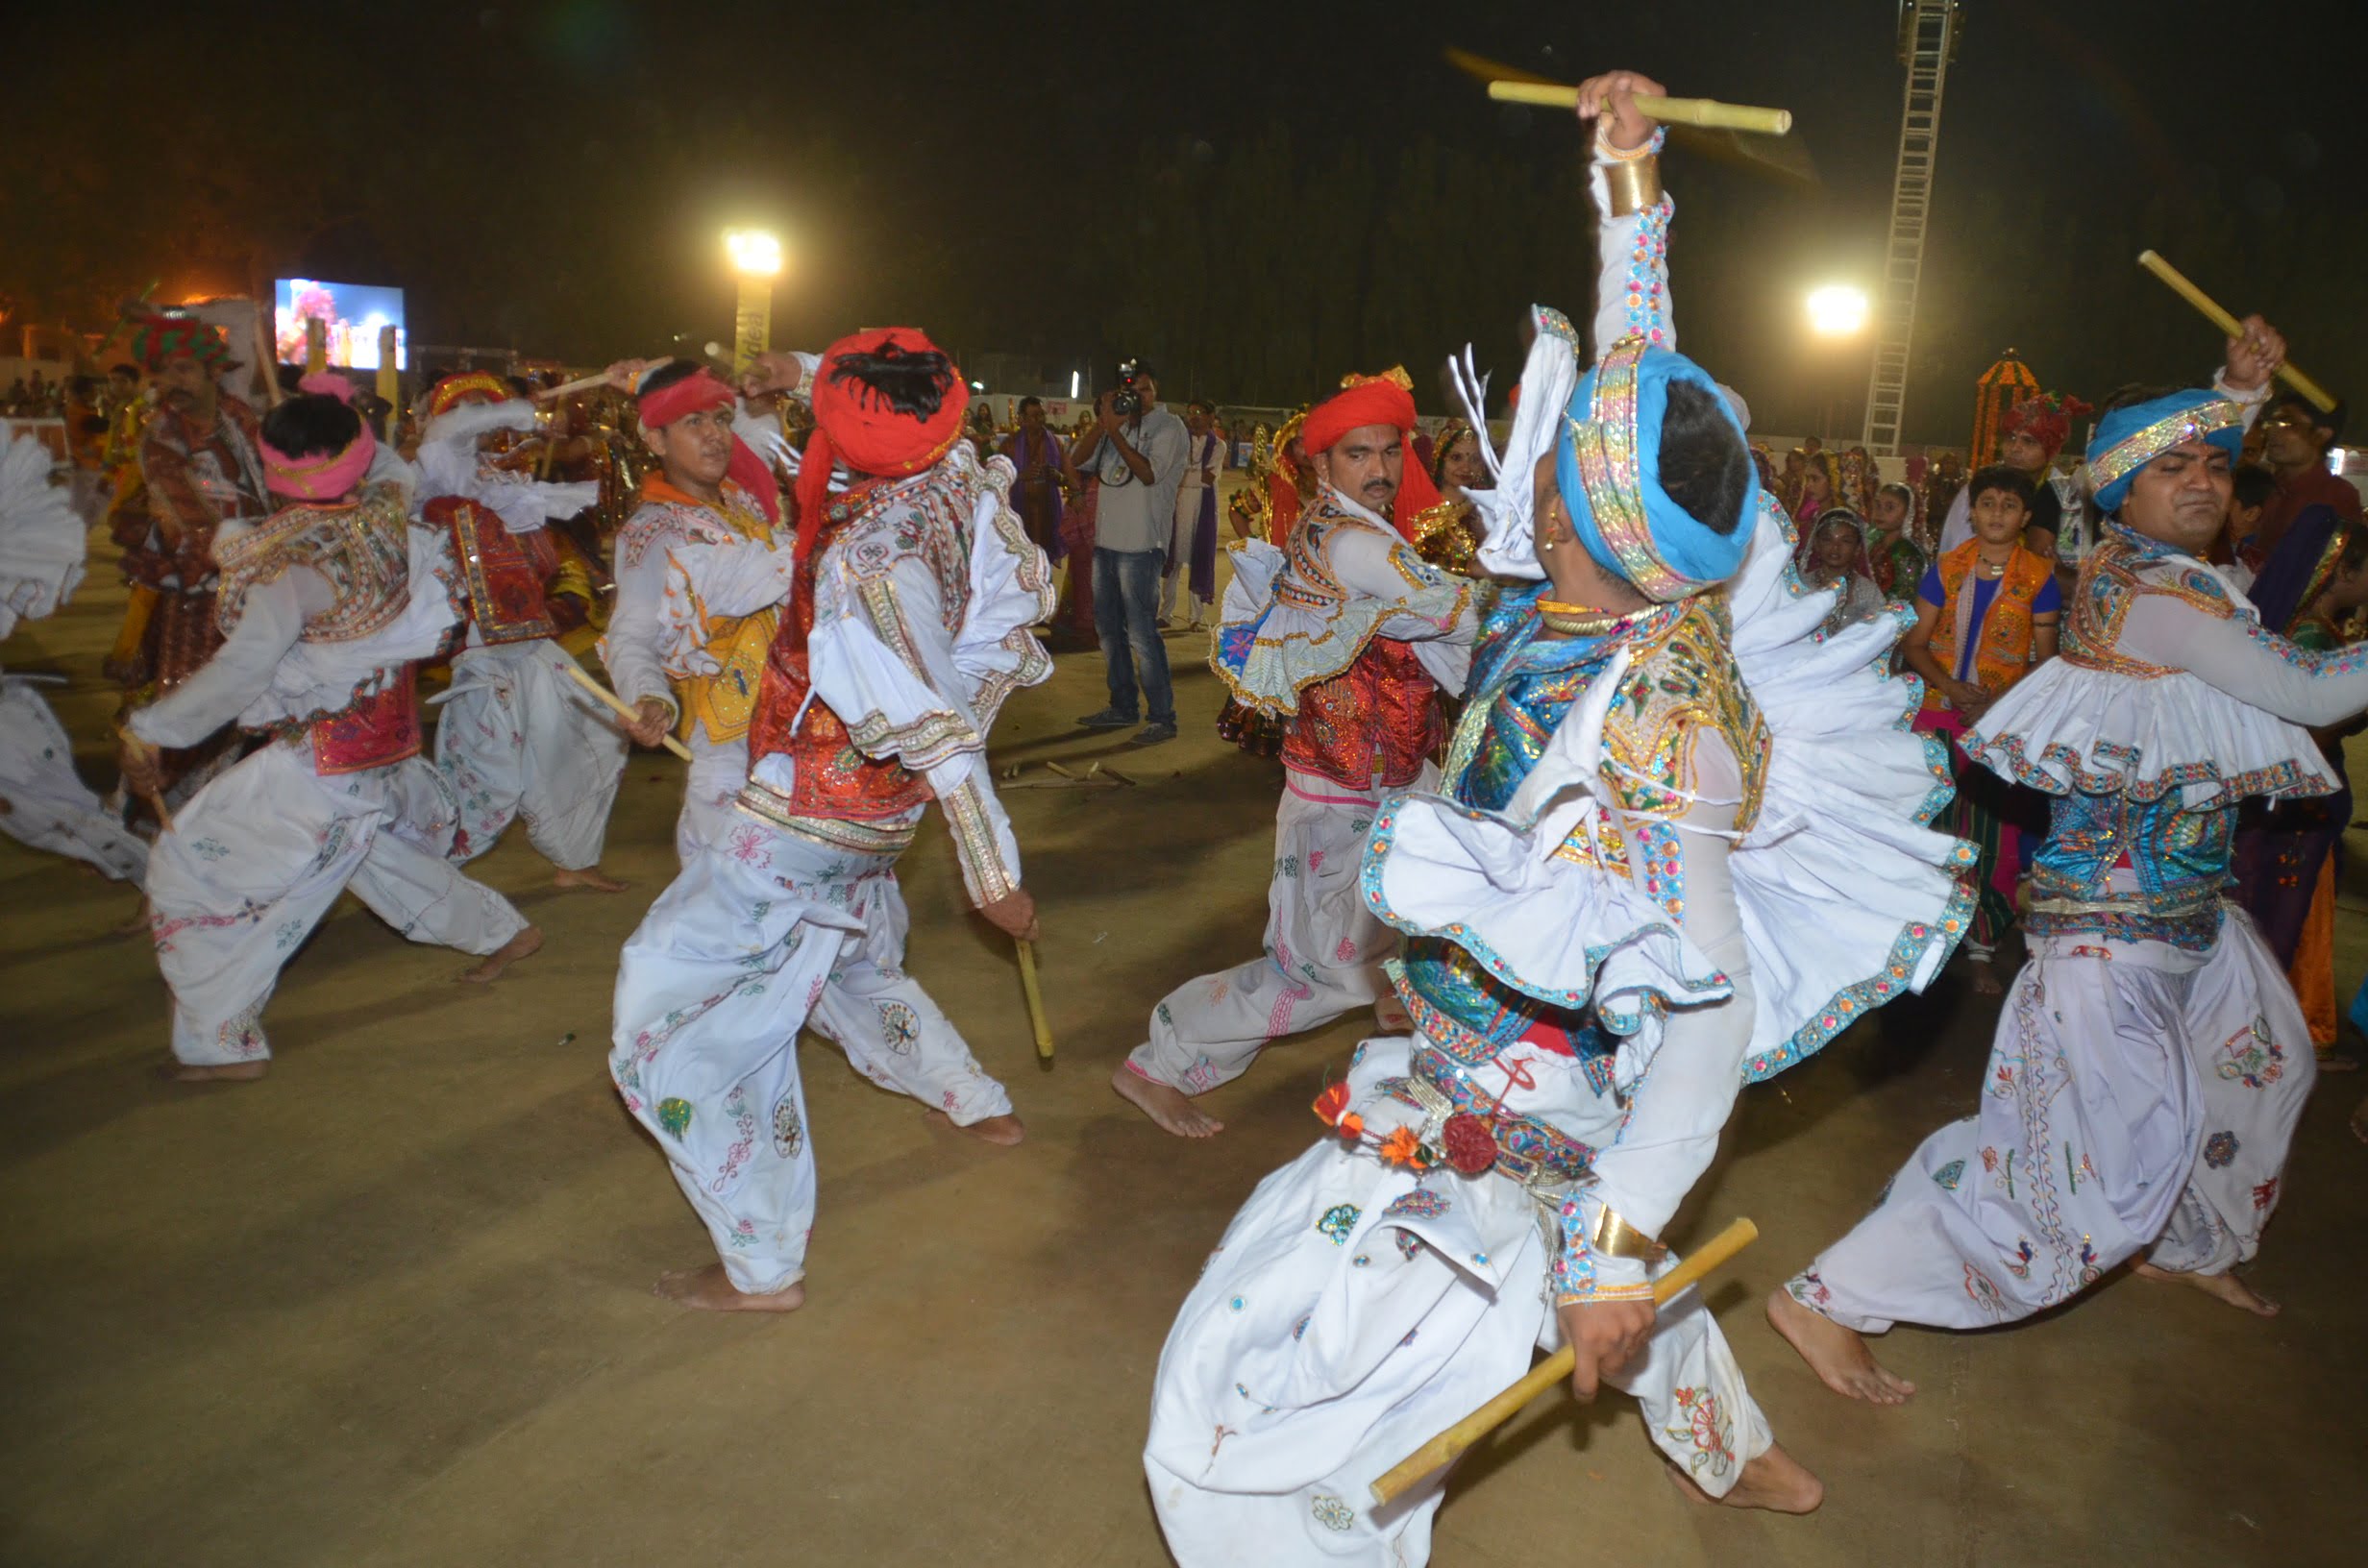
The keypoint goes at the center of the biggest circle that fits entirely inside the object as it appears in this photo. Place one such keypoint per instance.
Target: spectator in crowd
(1898, 561)
(1192, 550)
(1986, 617)
(1941, 488)
(2249, 489)
(1044, 472)
(2288, 851)
(1139, 459)
(2294, 440)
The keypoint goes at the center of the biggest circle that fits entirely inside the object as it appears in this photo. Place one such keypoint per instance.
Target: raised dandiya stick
(617, 704)
(1035, 1002)
(1704, 111)
(2320, 398)
(581, 384)
(1449, 1445)
(267, 360)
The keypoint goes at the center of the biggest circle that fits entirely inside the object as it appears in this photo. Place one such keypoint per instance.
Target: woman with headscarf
(2287, 851)
(1832, 554)
(1448, 535)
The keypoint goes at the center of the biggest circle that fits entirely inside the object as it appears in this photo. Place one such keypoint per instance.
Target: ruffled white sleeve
(270, 623)
(1431, 609)
(2236, 656)
(629, 648)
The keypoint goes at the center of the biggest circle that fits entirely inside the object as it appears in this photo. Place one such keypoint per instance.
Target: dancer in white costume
(907, 628)
(518, 737)
(1349, 635)
(1679, 848)
(43, 802)
(700, 570)
(2152, 1060)
(324, 608)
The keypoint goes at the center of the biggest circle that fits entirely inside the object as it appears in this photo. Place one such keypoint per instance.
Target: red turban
(1386, 398)
(856, 424)
(175, 335)
(467, 386)
(2046, 419)
(696, 393)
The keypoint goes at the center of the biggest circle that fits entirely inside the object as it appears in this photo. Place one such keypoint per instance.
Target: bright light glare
(1072, 383)
(754, 253)
(1836, 311)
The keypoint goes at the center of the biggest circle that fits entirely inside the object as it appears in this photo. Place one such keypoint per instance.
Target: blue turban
(1607, 463)
(2128, 439)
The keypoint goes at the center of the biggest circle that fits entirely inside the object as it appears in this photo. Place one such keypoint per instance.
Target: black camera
(1128, 400)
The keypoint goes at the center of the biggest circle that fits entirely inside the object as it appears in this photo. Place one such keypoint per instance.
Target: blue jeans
(1126, 616)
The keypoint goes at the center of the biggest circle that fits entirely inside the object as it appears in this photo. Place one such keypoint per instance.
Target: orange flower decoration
(1332, 1103)
(1352, 1125)
(1400, 1147)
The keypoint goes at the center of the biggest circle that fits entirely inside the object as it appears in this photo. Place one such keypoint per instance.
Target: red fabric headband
(694, 394)
(1386, 398)
(854, 425)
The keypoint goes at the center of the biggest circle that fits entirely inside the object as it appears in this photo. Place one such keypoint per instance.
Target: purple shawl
(1203, 583)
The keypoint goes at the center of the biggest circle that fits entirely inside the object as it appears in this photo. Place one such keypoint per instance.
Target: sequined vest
(505, 571)
(2179, 858)
(1370, 725)
(2003, 641)
(362, 549)
(722, 703)
(1680, 684)
(833, 778)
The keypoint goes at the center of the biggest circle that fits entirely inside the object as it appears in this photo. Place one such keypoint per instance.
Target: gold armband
(1635, 184)
(1615, 1237)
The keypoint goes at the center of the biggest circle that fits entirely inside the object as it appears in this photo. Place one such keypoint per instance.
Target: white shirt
(1132, 517)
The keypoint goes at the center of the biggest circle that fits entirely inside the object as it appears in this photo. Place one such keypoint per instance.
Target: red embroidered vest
(505, 571)
(376, 731)
(833, 778)
(1370, 725)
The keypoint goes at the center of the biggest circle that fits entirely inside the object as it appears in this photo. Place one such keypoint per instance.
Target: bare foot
(710, 1289)
(212, 1073)
(589, 878)
(525, 944)
(1004, 1131)
(1839, 1356)
(1775, 1481)
(1986, 979)
(1391, 1018)
(2226, 1287)
(1169, 1107)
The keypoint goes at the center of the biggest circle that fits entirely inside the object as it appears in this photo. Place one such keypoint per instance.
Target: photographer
(1138, 451)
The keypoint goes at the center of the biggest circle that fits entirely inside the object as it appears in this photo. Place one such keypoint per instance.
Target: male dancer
(324, 607)
(518, 737)
(2152, 1060)
(43, 802)
(908, 626)
(1353, 633)
(199, 469)
(1678, 849)
(700, 573)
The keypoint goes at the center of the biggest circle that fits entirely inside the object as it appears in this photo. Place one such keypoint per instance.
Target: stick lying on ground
(2320, 398)
(617, 704)
(1704, 111)
(1035, 1001)
(1449, 1445)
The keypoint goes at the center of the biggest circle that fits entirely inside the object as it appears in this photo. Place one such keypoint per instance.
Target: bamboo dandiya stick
(155, 803)
(1703, 112)
(1035, 1001)
(581, 384)
(2320, 398)
(1449, 1445)
(267, 358)
(616, 703)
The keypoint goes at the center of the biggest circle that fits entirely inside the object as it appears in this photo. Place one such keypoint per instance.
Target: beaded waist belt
(892, 837)
(1527, 1150)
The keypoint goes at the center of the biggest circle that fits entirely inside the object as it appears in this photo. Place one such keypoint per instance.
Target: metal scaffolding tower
(1928, 30)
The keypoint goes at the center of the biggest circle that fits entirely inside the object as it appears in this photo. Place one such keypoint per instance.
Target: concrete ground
(391, 1305)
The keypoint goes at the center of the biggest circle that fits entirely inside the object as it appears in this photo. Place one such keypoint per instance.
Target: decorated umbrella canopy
(2003, 386)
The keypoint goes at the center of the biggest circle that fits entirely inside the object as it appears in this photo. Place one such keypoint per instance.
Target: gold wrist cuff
(1634, 185)
(1615, 1237)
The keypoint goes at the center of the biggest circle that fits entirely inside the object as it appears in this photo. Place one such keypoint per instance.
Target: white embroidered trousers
(765, 932)
(43, 802)
(254, 860)
(519, 739)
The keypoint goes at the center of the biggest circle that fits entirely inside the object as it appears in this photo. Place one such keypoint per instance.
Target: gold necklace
(1576, 620)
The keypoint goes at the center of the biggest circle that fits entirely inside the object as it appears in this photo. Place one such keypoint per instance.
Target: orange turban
(1386, 398)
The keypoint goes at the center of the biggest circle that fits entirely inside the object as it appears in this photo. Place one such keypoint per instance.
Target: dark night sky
(554, 172)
